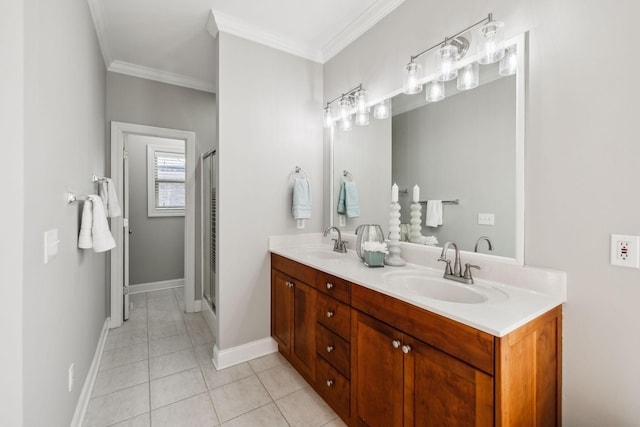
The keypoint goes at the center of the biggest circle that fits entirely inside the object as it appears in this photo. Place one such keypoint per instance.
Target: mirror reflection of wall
(461, 148)
(364, 152)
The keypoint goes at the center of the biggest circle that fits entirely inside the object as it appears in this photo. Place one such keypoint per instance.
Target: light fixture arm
(348, 93)
(489, 18)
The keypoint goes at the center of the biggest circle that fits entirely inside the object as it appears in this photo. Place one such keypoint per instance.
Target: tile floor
(156, 370)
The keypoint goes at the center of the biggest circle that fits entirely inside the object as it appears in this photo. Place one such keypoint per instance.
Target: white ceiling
(167, 40)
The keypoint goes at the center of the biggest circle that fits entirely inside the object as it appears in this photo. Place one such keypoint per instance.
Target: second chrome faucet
(339, 245)
(456, 273)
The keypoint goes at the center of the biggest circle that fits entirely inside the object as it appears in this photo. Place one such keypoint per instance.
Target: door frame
(119, 130)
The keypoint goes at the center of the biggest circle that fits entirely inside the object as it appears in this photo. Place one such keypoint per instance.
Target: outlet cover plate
(624, 250)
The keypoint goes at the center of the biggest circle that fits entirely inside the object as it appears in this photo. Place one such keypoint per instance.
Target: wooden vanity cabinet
(293, 313)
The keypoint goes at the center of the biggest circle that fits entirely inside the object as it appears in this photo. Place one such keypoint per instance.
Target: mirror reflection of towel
(434, 213)
(301, 208)
(348, 200)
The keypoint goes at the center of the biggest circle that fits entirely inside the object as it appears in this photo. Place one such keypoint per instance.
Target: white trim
(155, 286)
(209, 317)
(87, 388)
(160, 76)
(212, 25)
(242, 353)
(232, 25)
(97, 14)
(118, 132)
(370, 17)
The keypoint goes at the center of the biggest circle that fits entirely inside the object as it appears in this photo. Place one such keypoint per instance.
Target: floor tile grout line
(272, 399)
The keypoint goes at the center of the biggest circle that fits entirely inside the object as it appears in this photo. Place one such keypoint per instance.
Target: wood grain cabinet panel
(335, 315)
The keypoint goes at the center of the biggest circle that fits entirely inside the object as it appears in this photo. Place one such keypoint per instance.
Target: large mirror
(466, 150)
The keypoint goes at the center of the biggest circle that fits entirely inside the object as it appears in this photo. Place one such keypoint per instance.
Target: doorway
(123, 134)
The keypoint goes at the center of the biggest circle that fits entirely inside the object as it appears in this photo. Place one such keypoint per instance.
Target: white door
(126, 229)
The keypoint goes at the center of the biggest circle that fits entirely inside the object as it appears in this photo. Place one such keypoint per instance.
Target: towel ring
(346, 175)
(298, 171)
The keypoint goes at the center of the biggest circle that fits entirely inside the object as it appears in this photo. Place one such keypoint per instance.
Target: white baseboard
(242, 353)
(155, 286)
(87, 388)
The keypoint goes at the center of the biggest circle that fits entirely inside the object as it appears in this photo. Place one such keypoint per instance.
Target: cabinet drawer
(334, 286)
(334, 387)
(334, 315)
(293, 269)
(334, 349)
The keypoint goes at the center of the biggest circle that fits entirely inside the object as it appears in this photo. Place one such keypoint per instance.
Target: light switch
(50, 244)
(486, 219)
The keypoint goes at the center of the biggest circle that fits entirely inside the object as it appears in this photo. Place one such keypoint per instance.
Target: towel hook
(298, 171)
(347, 174)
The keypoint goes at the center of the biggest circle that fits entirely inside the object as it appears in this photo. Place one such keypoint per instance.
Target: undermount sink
(420, 285)
(322, 253)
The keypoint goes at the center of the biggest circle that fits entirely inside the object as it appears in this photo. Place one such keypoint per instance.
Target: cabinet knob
(289, 284)
(329, 383)
(329, 313)
(329, 285)
(406, 349)
(329, 348)
(395, 343)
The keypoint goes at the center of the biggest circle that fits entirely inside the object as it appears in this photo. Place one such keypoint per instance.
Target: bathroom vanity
(382, 356)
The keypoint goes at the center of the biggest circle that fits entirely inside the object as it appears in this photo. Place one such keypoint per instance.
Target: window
(166, 181)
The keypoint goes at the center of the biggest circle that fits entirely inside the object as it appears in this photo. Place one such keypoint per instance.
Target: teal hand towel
(301, 208)
(342, 208)
(351, 199)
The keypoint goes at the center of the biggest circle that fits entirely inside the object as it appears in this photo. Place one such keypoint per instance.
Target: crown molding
(232, 25)
(160, 76)
(359, 26)
(97, 15)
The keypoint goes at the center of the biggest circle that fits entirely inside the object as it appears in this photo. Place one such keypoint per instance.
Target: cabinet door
(379, 366)
(281, 310)
(303, 351)
(440, 390)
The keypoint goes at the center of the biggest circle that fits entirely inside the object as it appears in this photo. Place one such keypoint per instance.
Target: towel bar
(71, 198)
(444, 202)
(96, 178)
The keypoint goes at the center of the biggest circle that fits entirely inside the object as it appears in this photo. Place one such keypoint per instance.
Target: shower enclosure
(209, 200)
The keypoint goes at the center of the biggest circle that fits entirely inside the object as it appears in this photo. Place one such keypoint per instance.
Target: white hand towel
(110, 198)
(85, 241)
(434, 213)
(301, 208)
(102, 238)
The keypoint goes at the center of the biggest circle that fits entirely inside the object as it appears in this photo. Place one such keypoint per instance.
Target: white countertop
(508, 307)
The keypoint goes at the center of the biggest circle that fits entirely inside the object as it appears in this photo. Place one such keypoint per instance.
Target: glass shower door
(209, 188)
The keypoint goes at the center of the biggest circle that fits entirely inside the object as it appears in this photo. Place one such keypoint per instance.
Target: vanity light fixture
(446, 62)
(352, 102)
(509, 63)
(412, 83)
(382, 110)
(435, 91)
(468, 76)
(327, 117)
(490, 44)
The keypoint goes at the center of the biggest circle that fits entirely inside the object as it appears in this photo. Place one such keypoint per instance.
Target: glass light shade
(346, 124)
(468, 76)
(327, 118)
(435, 91)
(446, 63)
(509, 64)
(345, 108)
(382, 110)
(361, 101)
(412, 77)
(490, 40)
(362, 119)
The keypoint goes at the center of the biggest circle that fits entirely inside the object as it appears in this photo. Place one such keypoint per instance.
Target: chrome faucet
(480, 239)
(456, 274)
(339, 245)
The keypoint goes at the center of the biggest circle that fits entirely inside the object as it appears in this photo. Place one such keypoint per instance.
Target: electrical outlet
(300, 224)
(624, 250)
(486, 219)
(71, 377)
(342, 220)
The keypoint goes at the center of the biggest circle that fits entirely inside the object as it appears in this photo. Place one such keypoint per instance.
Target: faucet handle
(447, 269)
(467, 271)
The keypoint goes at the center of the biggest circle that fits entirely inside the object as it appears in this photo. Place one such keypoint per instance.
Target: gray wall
(11, 255)
(147, 102)
(581, 169)
(156, 245)
(269, 122)
(462, 147)
(360, 151)
(64, 301)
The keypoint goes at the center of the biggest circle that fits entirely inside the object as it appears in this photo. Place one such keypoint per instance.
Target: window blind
(169, 176)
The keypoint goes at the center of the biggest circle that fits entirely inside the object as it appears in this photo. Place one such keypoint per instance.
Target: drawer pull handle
(329, 348)
(289, 284)
(329, 285)
(329, 313)
(329, 383)
(395, 343)
(406, 349)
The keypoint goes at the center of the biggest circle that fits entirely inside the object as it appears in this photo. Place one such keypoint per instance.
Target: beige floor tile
(305, 408)
(171, 363)
(336, 422)
(125, 339)
(197, 411)
(167, 329)
(139, 421)
(267, 362)
(281, 381)
(239, 397)
(121, 377)
(167, 390)
(169, 345)
(118, 406)
(201, 338)
(265, 416)
(217, 378)
(124, 356)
